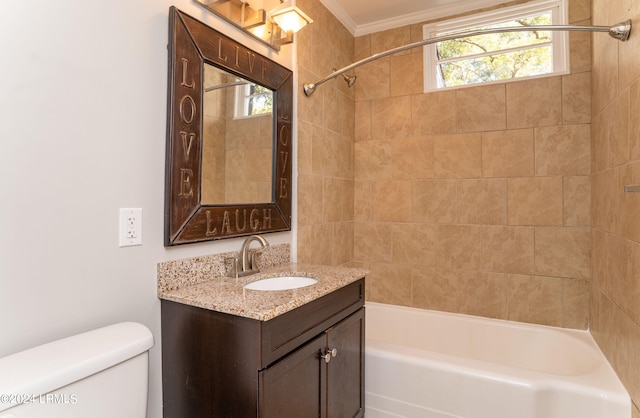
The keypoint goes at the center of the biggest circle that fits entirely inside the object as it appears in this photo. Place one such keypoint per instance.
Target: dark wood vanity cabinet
(305, 384)
(220, 365)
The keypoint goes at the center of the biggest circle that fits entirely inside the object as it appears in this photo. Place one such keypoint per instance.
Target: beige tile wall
(325, 142)
(248, 156)
(237, 153)
(474, 200)
(504, 200)
(615, 289)
(214, 128)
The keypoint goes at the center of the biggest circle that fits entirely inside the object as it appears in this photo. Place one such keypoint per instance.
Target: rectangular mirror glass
(237, 154)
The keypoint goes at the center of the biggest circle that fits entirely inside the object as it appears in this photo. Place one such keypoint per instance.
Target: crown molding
(341, 15)
(431, 13)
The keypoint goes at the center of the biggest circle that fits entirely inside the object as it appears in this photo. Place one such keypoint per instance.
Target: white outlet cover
(130, 227)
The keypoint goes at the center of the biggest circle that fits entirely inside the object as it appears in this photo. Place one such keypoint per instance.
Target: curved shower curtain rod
(620, 31)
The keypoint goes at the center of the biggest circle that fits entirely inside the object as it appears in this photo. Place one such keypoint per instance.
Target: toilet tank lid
(50, 366)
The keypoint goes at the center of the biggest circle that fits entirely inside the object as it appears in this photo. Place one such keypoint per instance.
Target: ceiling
(361, 17)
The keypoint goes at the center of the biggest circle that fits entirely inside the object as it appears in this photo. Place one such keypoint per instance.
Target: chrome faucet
(244, 263)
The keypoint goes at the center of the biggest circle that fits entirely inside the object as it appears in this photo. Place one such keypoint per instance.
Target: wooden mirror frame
(191, 45)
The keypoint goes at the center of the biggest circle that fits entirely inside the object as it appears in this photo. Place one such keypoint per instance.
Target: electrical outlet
(130, 228)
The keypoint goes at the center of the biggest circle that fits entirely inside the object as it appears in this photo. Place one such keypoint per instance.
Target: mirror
(237, 148)
(228, 166)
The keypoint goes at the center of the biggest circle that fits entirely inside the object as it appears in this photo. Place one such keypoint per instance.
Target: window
(497, 57)
(253, 100)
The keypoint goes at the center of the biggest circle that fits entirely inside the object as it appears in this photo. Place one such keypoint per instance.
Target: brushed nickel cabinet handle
(329, 354)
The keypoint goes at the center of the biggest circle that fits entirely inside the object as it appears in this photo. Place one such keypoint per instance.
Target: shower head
(309, 88)
(350, 79)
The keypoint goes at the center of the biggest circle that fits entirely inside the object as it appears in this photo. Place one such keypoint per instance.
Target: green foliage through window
(259, 100)
(497, 56)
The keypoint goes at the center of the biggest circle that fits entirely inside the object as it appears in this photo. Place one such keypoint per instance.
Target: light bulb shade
(275, 28)
(289, 18)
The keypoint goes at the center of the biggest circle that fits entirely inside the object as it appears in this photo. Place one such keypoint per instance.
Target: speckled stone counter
(202, 282)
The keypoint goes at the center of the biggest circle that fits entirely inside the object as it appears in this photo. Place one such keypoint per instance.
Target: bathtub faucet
(244, 263)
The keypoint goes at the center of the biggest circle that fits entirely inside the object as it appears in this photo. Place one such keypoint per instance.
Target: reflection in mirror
(237, 155)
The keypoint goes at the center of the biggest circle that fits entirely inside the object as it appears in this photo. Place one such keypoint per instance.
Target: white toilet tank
(98, 374)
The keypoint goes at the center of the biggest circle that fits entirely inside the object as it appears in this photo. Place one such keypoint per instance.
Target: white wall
(82, 112)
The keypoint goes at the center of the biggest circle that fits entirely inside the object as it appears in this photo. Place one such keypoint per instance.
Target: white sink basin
(281, 283)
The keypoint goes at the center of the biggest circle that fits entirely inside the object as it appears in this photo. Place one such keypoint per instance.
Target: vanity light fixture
(289, 17)
(274, 27)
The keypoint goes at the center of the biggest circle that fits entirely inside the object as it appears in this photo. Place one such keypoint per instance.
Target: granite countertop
(227, 294)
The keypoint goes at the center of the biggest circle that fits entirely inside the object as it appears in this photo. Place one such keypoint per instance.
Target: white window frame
(242, 98)
(559, 43)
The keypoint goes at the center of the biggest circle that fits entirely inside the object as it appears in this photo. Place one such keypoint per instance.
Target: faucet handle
(231, 266)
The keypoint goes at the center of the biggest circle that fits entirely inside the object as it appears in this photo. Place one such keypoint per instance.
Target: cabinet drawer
(288, 331)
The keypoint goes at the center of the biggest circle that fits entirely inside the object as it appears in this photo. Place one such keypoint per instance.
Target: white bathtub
(427, 364)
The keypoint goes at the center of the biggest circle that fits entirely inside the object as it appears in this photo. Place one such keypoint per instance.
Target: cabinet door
(293, 387)
(345, 371)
